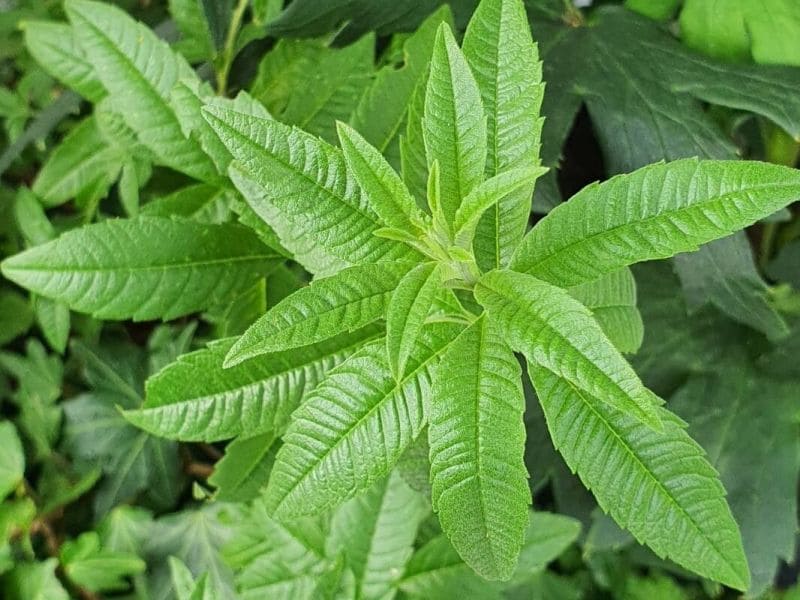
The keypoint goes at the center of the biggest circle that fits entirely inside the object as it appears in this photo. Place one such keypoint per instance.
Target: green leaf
(744, 30)
(327, 307)
(454, 122)
(546, 538)
(195, 42)
(244, 470)
(658, 485)
(306, 181)
(437, 571)
(200, 202)
(325, 461)
(413, 159)
(387, 194)
(382, 110)
(477, 439)
(15, 315)
(83, 164)
(196, 399)
(487, 195)
(406, 313)
(56, 47)
(123, 53)
(12, 461)
(98, 569)
(654, 212)
(143, 268)
(559, 335)
(505, 61)
(376, 532)
(742, 423)
(612, 300)
(34, 581)
(660, 10)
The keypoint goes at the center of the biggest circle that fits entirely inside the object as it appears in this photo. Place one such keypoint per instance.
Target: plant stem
(229, 49)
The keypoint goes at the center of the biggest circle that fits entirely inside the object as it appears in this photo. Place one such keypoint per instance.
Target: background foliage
(93, 506)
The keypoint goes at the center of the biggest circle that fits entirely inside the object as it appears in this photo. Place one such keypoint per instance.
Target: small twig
(229, 49)
(199, 470)
(212, 452)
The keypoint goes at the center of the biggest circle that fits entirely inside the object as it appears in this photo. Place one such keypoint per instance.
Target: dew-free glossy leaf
(146, 268)
(476, 435)
(558, 334)
(505, 61)
(654, 212)
(354, 427)
(195, 398)
(344, 302)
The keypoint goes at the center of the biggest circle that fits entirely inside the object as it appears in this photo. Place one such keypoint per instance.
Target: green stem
(229, 49)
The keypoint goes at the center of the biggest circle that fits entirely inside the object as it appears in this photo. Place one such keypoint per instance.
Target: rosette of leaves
(429, 289)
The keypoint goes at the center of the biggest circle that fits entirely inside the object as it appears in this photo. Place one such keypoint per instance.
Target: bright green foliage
(196, 399)
(15, 316)
(477, 439)
(656, 484)
(12, 462)
(504, 59)
(454, 124)
(97, 569)
(112, 270)
(343, 302)
(559, 335)
(243, 472)
(655, 212)
(408, 308)
(324, 461)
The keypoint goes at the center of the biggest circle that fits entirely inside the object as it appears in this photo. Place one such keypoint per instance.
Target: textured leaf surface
(140, 71)
(454, 122)
(406, 313)
(196, 399)
(505, 61)
(477, 440)
(654, 212)
(144, 268)
(376, 532)
(340, 303)
(244, 470)
(306, 180)
(559, 334)
(354, 427)
(658, 485)
(612, 300)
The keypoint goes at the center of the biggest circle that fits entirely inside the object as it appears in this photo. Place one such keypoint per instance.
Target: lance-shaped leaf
(454, 122)
(658, 485)
(505, 61)
(559, 334)
(477, 441)
(387, 194)
(487, 195)
(145, 268)
(654, 212)
(306, 180)
(343, 302)
(125, 54)
(408, 308)
(196, 399)
(55, 47)
(376, 533)
(612, 300)
(413, 162)
(354, 427)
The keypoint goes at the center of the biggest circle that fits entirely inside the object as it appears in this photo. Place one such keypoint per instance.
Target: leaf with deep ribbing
(413, 162)
(352, 298)
(654, 212)
(408, 308)
(388, 195)
(354, 427)
(505, 61)
(55, 47)
(305, 179)
(454, 122)
(658, 485)
(376, 532)
(196, 399)
(559, 334)
(145, 268)
(139, 71)
(477, 441)
(612, 300)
